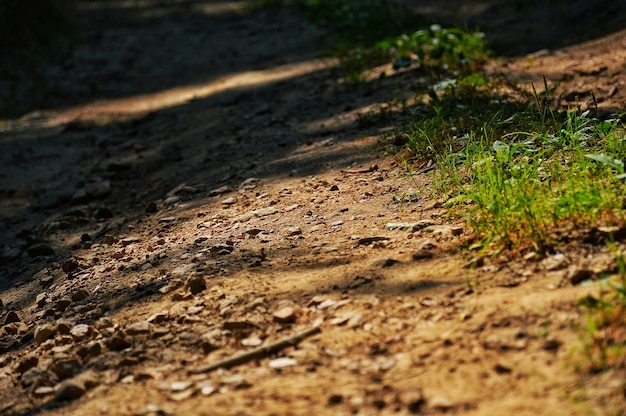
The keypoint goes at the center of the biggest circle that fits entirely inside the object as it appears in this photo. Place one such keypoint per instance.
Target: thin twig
(257, 353)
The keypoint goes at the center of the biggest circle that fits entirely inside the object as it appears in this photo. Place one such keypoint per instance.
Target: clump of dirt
(201, 223)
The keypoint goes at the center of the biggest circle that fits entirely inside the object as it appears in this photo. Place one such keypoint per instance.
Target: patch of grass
(518, 171)
(438, 49)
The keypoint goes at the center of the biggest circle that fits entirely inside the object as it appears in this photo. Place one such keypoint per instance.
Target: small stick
(256, 353)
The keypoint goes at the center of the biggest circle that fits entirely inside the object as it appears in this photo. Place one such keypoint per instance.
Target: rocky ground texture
(197, 221)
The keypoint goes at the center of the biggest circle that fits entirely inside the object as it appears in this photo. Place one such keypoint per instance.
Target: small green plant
(367, 33)
(438, 49)
(519, 172)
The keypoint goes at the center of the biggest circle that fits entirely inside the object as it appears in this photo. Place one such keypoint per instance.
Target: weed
(367, 33)
(438, 49)
(519, 170)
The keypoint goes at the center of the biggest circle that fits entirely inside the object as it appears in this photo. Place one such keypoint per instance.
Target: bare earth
(197, 185)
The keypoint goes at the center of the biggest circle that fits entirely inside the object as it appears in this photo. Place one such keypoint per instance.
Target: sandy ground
(197, 184)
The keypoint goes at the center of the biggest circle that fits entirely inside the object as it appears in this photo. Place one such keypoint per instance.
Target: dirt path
(202, 186)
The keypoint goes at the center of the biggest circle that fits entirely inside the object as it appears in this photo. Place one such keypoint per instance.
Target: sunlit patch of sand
(107, 110)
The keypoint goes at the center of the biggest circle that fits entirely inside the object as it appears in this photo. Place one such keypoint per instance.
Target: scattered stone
(158, 317)
(62, 304)
(385, 262)
(167, 220)
(182, 395)
(35, 377)
(138, 328)
(552, 344)
(206, 388)
(336, 223)
(221, 249)
(369, 240)
(180, 385)
(183, 269)
(285, 315)
(104, 323)
(182, 189)
(171, 286)
(128, 361)
(334, 188)
(261, 212)
(475, 262)
(81, 331)
(577, 275)
(11, 317)
(238, 325)
(69, 390)
(502, 369)
(258, 303)
(253, 341)
(443, 231)
(28, 362)
(15, 328)
(401, 225)
(89, 378)
(335, 399)
(350, 319)
(130, 240)
(532, 256)
(61, 351)
(117, 342)
(44, 332)
(44, 391)
(92, 350)
(40, 249)
(201, 239)
(219, 191)
(511, 339)
(293, 231)
(178, 296)
(195, 284)
(66, 368)
(441, 403)
(229, 201)
(80, 294)
(413, 399)
(46, 280)
(254, 231)
(63, 326)
(422, 254)
(172, 200)
(250, 183)
(282, 362)
(556, 262)
(456, 230)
